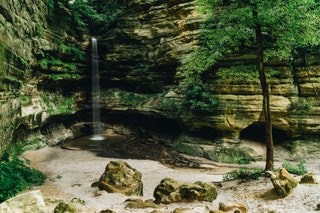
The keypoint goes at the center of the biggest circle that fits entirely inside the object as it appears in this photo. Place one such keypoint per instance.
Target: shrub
(299, 169)
(229, 155)
(198, 98)
(16, 177)
(244, 173)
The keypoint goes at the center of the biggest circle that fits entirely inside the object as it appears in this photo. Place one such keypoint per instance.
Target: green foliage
(229, 155)
(230, 28)
(244, 72)
(25, 99)
(59, 63)
(130, 99)
(50, 62)
(15, 175)
(84, 15)
(189, 149)
(170, 106)
(58, 104)
(205, 6)
(109, 12)
(66, 105)
(198, 99)
(96, 15)
(50, 5)
(71, 51)
(57, 77)
(302, 105)
(244, 173)
(299, 169)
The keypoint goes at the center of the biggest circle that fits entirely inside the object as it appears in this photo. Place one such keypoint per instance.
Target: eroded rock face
(143, 51)
(283, 182)
(26, 38)
(119, 177)
(171, 191)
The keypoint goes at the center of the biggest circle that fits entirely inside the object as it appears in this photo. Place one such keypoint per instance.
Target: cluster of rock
(174, 191)
(120, 177)
(284, 183)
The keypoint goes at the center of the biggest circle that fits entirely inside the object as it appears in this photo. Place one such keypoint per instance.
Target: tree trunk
(266, 98)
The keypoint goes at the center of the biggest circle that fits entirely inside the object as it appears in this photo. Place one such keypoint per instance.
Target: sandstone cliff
(31, 89)
(143, 52)
(142, 91)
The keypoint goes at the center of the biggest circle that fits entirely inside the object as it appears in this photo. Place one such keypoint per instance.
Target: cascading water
(96, 117)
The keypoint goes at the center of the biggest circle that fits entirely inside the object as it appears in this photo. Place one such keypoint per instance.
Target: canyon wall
(45, 89)
(143, 52)
(33, 88)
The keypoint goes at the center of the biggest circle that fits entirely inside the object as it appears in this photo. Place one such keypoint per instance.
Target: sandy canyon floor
(70, 174)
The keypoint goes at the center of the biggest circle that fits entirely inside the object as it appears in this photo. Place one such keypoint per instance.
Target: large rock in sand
(27, 202)
(34, 202)
(171, 191)
(283, 182)
(119, 177)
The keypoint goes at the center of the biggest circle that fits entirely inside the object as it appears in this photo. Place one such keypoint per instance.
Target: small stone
(236, 208)
(63, 207)
(309, 178)
(171, 94)
(140, 204)
(107, 211)
(97, 193)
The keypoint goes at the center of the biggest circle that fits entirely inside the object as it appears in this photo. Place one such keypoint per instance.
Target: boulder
(309, 178)
(34, 202)
(120, 177)
(27, 202)
(170, 191)
(283, 182)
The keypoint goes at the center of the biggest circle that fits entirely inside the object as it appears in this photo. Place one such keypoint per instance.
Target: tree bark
(266, 97)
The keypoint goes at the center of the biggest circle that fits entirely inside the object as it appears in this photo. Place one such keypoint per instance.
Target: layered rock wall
(19, 22)
(25, 96)
(144, 50)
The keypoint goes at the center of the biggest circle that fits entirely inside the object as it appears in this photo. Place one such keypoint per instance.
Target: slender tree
(276, 28)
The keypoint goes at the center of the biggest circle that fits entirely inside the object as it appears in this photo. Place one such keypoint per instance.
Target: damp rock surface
(120, 177)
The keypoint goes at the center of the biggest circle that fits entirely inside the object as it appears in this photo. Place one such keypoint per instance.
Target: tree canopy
(287, 26)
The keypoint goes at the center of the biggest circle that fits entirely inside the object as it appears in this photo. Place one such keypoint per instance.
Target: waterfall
(96, 117)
